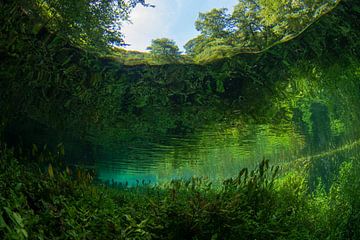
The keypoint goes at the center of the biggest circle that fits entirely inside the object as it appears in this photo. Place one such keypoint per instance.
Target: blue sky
(173, 19)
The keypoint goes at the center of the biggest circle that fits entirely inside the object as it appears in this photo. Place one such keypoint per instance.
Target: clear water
(322, 123)
(217, 152)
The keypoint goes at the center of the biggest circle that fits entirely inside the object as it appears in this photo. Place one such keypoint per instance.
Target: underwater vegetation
(57, 76)
(48, 78)
(44, 200)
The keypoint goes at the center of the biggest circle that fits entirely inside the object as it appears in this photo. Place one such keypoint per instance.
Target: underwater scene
(251, 130)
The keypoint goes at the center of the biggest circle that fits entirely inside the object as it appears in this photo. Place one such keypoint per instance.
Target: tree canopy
(164, 50)
(254, 24)
(88, 23)
(216, 23)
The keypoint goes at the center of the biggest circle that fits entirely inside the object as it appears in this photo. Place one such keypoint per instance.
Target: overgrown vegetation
(50, 77)
(75, 21)
(49, 201)
(48, 80)
(252, 26)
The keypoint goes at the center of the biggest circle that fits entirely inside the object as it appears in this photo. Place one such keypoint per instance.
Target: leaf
(3, 223)
(34, 150)
(96, 78)
(51, 171)
(55, 41)
(18, 219)
(24, 233)
(15, 217)
(356, 9)
(220, 85)
(214, 237)
(36, 28)
(143, 223)
(67, 103)
(67, 60)
(61, 149)
(18, 186)
(68, 171)
(286, 63)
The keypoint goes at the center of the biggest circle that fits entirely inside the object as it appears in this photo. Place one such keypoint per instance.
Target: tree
(164, 50)
(289, 17)
(254, 24)
(216, 23)
(251, 33)
(92, 24)
(196, 45)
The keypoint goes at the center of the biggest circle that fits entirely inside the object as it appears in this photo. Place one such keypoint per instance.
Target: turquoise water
(216, 152)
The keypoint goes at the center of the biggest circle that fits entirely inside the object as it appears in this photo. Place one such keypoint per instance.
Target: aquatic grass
(256, 204)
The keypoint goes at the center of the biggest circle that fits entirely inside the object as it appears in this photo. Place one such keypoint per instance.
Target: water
(314, 113)
(320, 124)
(217, 152)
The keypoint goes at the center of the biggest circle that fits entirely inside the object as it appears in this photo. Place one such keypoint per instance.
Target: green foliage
(46, 79)
(75, 20)
(256, 204)
(255, 24)
(345, 195)
(215, 23)
(64, 87)
(130, 58)
(291, 16)
(164, 50)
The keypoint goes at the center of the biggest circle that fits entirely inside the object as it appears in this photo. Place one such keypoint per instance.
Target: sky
(172, 19)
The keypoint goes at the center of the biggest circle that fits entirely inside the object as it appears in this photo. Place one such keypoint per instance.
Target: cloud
(170, 18)
(150, 23)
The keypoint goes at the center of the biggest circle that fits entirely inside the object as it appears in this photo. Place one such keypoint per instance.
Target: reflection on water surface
(218, 151)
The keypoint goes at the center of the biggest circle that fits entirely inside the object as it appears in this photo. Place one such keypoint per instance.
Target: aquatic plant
(258, 204)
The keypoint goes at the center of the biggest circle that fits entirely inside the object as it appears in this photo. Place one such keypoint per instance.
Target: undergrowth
(50, 201)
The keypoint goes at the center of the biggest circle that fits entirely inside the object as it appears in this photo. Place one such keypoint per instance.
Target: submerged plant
(257, 204)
